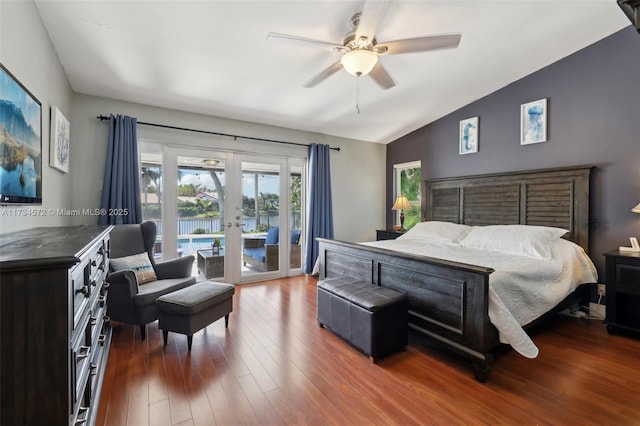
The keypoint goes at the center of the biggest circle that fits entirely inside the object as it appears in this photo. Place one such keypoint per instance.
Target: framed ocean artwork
(533, 122)
(469, 135)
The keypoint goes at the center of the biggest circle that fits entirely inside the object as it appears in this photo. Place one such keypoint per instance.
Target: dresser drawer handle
(85, 411)
(83, 353)
(94, 263)
(105, 285)
(93, 320)
(84, 290)
(101, 339)
(94, 283)
(101, 301)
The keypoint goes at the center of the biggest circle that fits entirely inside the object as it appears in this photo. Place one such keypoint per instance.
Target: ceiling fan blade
(324, 74)
(381, 76)
(302, 41)
(419, 44)
(370, 16)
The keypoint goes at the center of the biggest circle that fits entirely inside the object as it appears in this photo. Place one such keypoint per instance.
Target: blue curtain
(320, 207)
(121, 188)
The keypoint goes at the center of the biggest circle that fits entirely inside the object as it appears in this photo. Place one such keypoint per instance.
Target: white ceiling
(213, 57)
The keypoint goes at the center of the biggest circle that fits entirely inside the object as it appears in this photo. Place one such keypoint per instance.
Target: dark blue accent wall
(593, 118)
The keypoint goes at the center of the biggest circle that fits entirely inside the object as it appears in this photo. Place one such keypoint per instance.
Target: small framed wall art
(59, 141)
(469, 135)
(533, 122)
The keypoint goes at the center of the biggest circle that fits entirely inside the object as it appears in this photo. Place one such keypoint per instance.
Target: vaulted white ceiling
(213, 57)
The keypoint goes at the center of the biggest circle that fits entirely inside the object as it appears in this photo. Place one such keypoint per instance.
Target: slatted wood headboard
(550, 197)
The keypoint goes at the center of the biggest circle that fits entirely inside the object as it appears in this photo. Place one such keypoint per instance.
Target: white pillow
(519, 240)
(437, 232)
(138, 263)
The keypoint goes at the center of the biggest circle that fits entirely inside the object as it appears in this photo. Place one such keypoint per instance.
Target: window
(151, 186)
(408, 181)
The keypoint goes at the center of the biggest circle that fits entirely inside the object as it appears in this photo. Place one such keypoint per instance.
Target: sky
(266, 183)
(11, 91)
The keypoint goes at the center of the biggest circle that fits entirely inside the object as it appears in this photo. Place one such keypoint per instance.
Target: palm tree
(296, 198)
(151, 175)
(219, 191)
(410, 185)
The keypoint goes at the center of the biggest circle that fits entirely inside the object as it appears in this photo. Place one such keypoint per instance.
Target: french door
(239, 215)
(266, 216)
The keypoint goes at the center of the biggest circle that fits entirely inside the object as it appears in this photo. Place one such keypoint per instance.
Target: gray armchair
(135, 304)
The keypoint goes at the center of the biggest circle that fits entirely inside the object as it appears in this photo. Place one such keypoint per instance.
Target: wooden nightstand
(623, 291)
(387, 234)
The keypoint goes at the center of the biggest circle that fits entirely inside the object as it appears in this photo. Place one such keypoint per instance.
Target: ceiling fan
(360, 49)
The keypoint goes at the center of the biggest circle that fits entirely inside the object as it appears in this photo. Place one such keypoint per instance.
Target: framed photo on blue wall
(533, 122)
(469, 135)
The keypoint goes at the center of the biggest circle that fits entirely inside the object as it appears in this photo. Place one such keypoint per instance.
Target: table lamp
(635, 247)
(402, 203)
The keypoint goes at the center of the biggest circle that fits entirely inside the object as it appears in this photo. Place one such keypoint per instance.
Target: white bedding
(521, 289)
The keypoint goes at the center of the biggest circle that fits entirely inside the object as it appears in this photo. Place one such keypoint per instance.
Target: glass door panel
(151, 192)
(261, 234)
(295, 212)
(200, 213)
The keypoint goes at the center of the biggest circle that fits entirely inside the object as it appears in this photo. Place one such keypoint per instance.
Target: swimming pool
(196, 242)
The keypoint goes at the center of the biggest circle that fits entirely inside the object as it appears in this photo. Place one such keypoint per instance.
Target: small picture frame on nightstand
(635, 248)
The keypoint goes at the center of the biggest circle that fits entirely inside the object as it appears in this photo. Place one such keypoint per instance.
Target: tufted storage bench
(374, 319)
(191, 309)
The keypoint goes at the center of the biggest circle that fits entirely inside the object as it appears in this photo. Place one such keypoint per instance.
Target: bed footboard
(448, 301)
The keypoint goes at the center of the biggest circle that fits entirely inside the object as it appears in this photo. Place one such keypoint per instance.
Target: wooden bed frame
(449, 301)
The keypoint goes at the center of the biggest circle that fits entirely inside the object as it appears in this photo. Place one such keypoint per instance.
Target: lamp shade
(359, 61)
(402, 203)
(636, 209)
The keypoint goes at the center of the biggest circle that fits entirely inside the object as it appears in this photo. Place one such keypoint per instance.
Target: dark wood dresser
(54, 334)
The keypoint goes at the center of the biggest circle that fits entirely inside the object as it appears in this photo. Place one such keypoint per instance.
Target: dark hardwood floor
(274, 366)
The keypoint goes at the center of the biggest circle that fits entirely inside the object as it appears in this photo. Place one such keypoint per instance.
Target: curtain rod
(164, 126)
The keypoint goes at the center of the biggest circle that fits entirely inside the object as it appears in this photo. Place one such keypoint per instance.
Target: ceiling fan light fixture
(210, 162)
(359, 62)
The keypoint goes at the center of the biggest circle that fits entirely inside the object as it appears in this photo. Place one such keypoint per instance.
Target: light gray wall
(358, 180)
(27, 52)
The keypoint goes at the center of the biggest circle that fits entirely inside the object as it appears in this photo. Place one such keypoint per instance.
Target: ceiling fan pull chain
(358, 95)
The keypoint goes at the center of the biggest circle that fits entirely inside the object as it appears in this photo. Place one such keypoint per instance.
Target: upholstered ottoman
(191, 309)
(374, 319)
